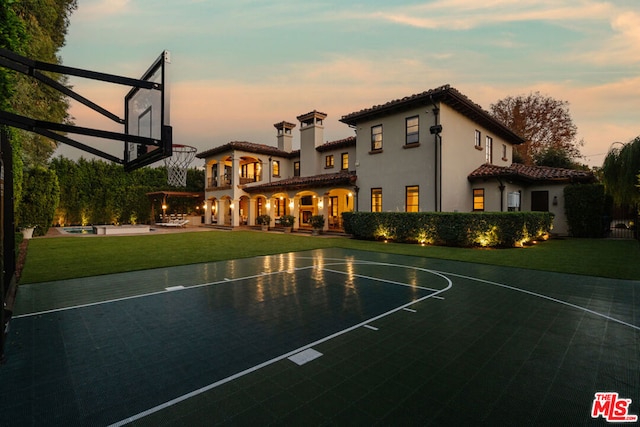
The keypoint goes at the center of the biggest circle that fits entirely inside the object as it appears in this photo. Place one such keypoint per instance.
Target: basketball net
(178, 163)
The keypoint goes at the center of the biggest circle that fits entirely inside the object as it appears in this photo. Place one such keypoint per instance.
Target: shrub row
(485, 229)
(585, 210)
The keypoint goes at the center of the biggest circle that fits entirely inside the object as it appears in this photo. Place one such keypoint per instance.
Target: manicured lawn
(71, 257)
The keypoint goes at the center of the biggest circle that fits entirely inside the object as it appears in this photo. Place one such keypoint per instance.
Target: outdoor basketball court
(322, 337)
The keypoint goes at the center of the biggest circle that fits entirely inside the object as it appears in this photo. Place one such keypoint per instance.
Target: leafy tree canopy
(544, 123)
(620, 172)
(46, 23)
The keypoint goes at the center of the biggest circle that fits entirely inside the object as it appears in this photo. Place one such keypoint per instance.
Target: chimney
(311, 137)
(284, 135)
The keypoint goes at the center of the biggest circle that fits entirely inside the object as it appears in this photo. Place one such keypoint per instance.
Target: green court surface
(324, 337)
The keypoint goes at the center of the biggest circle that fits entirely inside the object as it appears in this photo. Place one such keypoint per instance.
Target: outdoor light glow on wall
(320, 204)
(231, 205)
(291, 204)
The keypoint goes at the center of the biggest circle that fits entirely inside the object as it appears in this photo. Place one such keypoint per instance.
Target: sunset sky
(240, 66)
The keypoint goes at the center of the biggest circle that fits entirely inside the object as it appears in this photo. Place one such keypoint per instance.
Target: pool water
(79, 230)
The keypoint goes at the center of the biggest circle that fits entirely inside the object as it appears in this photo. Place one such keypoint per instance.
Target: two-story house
(433, 151)
(245, 180)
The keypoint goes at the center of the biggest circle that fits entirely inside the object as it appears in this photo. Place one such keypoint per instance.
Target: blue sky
(240, 66)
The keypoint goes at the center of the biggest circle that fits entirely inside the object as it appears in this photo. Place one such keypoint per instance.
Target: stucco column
(221, 181)
(269, 206)
(207, 212)
(251, 211)
(323, 209)
(295, 211)
(235, 211)
(221, 212)
(235, 172)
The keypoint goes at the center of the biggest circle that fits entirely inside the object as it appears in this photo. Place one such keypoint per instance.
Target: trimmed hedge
(585, 210)
(484, 229)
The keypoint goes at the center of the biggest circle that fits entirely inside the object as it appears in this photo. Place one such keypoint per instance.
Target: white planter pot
(27, 233)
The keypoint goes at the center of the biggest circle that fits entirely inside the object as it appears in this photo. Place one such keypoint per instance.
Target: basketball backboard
(147, 114)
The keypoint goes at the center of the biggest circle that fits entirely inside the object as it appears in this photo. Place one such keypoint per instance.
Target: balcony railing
(214, 182)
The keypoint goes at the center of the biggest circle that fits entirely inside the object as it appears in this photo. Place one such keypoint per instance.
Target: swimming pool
(79, 230)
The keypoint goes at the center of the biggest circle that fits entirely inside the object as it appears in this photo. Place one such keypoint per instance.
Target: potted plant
(264, 221)
(287, 222)
(317, 222)
(27, 231)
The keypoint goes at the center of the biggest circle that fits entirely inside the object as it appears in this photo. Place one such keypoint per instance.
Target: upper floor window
(328, 161)
(276, 168)
(504, 152)
(376, 200)
(477, 141)
(412, 193)
(413, 128)
(376, 138)
(296, 168)
(345, 161)
(489, 152)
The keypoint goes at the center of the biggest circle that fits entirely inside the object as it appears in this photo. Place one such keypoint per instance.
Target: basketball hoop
(178, 163)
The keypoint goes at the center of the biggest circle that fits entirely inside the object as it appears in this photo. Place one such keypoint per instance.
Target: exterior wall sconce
(320, 204)
(555, 201)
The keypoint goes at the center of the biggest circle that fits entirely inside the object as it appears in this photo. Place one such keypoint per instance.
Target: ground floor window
(412, 193)
(281, 207)
(376, 200)
(540, 201)
(259, 206)
(478, 199)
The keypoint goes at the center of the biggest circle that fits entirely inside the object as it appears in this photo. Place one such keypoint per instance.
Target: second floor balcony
(225, 180)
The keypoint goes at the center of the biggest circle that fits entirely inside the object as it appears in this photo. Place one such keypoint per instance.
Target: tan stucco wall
(460, 157)
(396, 166)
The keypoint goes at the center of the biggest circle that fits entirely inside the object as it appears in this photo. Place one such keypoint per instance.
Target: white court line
(217, 282)
(535, 294)
(411, 310)
(376, 279)
(110, 301)
(286, 355)
(373, 328)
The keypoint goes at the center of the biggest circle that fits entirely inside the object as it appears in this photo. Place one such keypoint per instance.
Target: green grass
(71, 257)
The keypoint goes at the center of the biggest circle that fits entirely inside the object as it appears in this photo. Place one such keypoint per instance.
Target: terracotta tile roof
(284, 124)
(271, 150)
(531, 173)
(250, 147)
(341, 143)
(446, 94)
(301, 182)
(310, 114)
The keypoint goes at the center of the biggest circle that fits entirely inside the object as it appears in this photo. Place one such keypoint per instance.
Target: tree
(46, 24)
(544, 123)
(619, 173)
(40, 201)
